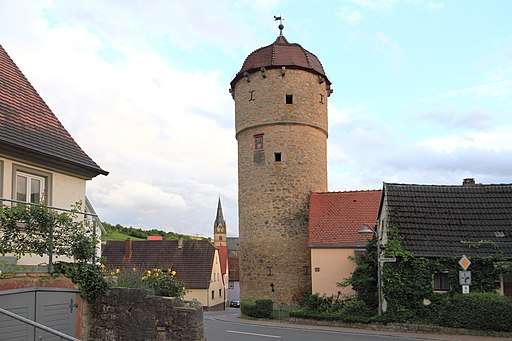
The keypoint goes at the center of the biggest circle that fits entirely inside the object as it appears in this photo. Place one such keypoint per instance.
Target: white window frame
(28, 188)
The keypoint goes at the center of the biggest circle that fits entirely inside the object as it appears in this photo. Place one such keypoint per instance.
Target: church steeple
(219, 227)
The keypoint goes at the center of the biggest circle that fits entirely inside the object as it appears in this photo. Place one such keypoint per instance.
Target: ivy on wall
(407, 284)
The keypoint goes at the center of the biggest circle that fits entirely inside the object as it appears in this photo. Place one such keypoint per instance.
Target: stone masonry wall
(274, 195)
(132, 314)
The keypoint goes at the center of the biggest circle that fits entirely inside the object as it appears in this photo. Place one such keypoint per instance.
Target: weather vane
(281, 26)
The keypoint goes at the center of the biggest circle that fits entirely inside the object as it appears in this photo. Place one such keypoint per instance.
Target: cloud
(165, 135)
(499, 90)
(389, 48)
(349, 15)
(457, 119)
(498, 139)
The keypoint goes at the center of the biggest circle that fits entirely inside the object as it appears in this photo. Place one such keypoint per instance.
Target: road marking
(254, 334)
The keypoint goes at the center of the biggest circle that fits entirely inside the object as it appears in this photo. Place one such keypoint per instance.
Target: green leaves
(36, 229)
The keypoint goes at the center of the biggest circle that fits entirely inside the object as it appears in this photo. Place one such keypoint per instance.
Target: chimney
(468, 182)
(180, 242)
(127, 249)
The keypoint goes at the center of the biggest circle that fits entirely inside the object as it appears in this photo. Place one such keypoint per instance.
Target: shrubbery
(162, 283)
(258, 308)
(318, 307)
(481, 311)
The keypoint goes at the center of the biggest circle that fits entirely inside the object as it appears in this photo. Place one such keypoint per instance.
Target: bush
(258, 308)
(89, 278)
(481, 311)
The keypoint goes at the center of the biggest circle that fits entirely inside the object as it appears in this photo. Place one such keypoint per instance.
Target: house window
(29, 188)
(231, 285)
(277, 157)
(213, 294)
(289, 99)
(220, 292)
(258, 142)
(441, 281)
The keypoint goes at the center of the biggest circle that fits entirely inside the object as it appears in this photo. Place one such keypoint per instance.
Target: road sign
(464, 277)
(464, 262)
(465, 289)
(387, 260)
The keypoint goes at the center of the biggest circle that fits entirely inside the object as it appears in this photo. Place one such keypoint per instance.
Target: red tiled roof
(223, 256)
(28, 128)
(155, 238)
(278, 54)
(336, 217)
(192, 262)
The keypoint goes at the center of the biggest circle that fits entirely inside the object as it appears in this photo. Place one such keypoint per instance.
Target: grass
(118, 236)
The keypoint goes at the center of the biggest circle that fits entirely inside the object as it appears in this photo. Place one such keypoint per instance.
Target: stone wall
(274, 182)
(131, 314)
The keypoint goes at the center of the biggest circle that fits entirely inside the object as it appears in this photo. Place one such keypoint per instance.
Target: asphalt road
(222, 326)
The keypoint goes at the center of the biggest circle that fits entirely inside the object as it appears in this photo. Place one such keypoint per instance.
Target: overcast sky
(422, 93)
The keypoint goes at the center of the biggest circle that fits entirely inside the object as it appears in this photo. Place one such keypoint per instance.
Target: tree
(37, 229)
(364, 277)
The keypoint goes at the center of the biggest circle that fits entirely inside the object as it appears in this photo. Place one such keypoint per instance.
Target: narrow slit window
(277, 157)
(289, 99)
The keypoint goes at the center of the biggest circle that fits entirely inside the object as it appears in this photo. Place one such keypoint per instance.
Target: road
(222, 326)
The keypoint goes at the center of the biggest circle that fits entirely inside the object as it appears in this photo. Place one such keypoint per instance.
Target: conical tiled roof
(29, 129)
(278, 54)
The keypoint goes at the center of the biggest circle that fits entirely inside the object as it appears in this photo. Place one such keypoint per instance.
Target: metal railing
(38, 325)
(92, 215)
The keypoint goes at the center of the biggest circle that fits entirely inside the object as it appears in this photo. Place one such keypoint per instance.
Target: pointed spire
(220, 217)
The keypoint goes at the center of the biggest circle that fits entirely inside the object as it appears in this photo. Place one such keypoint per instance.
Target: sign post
(465, 276)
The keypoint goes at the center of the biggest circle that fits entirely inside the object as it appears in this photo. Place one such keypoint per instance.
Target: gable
(30, 131)
(336, 217)
(449, 221)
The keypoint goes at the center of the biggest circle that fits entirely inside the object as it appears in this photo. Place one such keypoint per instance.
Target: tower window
(277, 156)
(258, 142)
(289, 99)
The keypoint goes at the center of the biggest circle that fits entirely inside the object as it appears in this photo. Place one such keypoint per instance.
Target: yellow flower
(118, 271)
(156, 275)
(148, 272)
(144, 278)
(173, 273)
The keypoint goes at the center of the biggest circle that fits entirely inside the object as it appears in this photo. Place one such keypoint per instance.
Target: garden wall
(132, 314)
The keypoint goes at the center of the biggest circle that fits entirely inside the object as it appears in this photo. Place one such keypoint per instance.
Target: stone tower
(280, 98)
(219, 228)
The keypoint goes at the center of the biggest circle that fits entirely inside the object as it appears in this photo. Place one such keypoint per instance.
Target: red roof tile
(192, 262)
(223, 255)
(336, 217)
(278, 54)
(155, 238)
(28, 128)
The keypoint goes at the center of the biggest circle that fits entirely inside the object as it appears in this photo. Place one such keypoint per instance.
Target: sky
(422, 93)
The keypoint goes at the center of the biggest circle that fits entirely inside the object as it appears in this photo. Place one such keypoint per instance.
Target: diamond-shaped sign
(464, 262)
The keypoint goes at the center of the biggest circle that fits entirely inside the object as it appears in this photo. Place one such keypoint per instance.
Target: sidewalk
(235, 318)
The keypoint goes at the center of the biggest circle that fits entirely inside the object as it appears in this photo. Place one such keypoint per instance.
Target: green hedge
(258, 308)
(481, 311)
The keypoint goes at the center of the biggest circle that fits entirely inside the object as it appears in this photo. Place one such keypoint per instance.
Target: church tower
(280, 98)
(219, 228)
